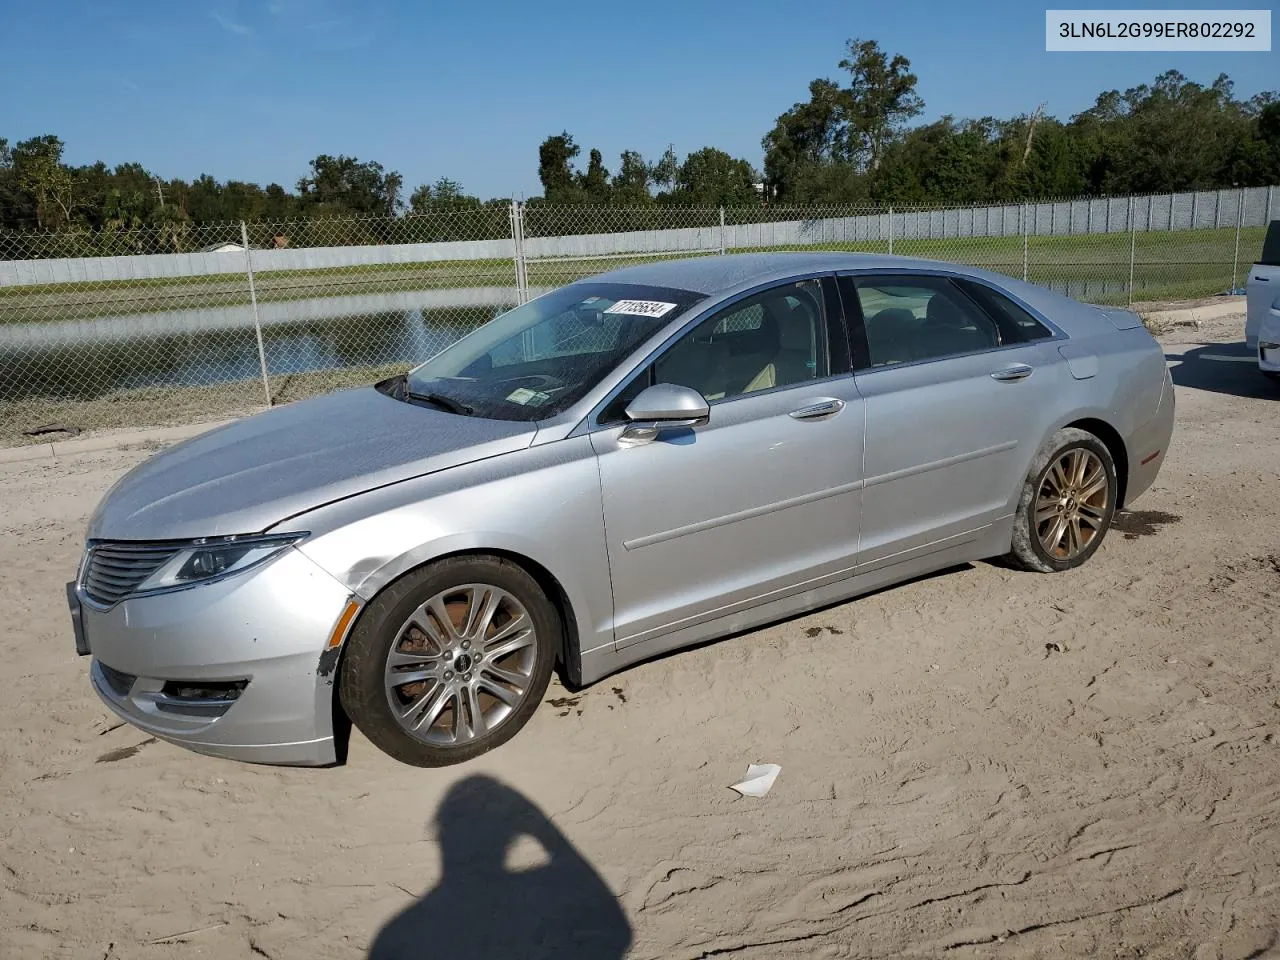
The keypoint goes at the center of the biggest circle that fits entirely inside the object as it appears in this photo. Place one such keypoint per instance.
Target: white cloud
(230, 24)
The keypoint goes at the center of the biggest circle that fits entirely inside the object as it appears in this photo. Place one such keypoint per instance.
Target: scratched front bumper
(267, 627)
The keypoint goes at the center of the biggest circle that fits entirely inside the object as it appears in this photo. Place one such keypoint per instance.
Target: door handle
(1018, 371)
(819, 410)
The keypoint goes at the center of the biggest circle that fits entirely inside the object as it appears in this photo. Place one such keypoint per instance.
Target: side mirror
(670, 405)
(664, 405)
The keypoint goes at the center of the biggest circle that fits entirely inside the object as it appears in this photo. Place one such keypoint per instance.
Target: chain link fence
(183, 323)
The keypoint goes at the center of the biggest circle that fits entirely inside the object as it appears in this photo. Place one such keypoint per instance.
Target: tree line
(850, 141)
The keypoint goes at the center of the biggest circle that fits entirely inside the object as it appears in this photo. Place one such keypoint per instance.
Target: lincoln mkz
(632, 463)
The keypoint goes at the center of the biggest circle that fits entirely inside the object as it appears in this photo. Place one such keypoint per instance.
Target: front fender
(542, 504)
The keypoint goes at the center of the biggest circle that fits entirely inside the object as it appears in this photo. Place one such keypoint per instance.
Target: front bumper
(256, 637)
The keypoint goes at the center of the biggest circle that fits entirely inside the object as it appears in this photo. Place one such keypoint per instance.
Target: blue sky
(253, 89)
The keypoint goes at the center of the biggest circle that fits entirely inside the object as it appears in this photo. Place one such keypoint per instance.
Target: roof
(721, 277)
(715, 275)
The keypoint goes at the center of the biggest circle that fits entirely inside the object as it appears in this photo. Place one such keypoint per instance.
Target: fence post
(515, 246)
(1235, 259)
(1026, 243)
(891, 229)
(517, 242)
(257, 321)
(1266, 218)
(722, 231)
(1133, 245)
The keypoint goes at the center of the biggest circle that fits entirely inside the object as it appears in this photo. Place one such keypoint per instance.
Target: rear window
(1016, 324)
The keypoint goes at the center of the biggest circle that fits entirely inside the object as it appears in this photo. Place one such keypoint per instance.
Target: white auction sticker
(642, 308)
(1222, 31)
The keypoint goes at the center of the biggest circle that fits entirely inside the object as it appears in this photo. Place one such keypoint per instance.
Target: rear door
(958, 383)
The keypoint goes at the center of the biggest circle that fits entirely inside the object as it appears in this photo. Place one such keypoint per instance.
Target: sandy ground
(981, 763)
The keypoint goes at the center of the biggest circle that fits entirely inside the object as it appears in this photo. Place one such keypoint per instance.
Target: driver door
(761, 501)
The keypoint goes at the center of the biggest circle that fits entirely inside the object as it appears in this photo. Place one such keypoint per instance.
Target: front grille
(114, 570)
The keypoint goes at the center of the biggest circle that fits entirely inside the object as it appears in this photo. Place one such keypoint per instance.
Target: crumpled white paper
(760, 777)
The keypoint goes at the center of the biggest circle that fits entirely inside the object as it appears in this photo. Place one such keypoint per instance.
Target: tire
(1271, 374)
(452, 662)
(1064, 450)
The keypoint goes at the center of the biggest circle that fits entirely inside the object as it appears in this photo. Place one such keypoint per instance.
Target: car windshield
(540, 358)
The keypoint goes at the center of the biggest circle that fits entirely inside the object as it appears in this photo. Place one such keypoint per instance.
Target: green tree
(1266, 142)
(555, 168)
(393, 183)
(38, 168)
(881, 98)
(1040, 158)
(666, 170)
(173, 227)
(13, 212)
(631, 182)
(711, 178)
(594, 184)
(278, 203)
(246, 201)
(444, 194)
(1174, 134)
(948, 161)
(345, 185)
(812, 134)
(204, 199)
(816, 150)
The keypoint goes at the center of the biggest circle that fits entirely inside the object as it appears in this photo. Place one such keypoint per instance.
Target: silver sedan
(626, 465)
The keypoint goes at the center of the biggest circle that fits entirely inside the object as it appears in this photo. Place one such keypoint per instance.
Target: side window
(910, 318)
(1016, 325)
(773, 339)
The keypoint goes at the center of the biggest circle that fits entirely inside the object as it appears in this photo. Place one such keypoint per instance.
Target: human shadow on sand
(483, 909)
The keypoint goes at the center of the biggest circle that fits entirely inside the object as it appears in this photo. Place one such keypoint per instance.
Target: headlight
(212, 558)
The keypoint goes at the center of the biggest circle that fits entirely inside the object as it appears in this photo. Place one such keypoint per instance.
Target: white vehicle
(1262, 323)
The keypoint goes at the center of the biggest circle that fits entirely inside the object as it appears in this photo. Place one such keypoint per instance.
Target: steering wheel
(544, 380)
(535, 381)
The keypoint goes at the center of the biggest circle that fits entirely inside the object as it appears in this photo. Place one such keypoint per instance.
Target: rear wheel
(1067, 503)
(450, 661)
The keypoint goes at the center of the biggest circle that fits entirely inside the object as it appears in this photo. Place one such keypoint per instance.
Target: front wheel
(450, 661)
(1067, 503)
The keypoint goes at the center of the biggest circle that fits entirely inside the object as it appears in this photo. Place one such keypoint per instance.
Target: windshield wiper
(448, 403)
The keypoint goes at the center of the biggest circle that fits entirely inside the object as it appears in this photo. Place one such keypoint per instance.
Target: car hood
(251, 474)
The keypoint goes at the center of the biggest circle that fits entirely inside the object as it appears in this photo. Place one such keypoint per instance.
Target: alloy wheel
(1071, 505)
(461, 664)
